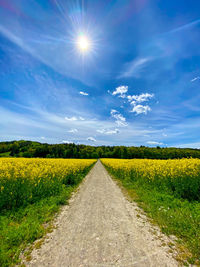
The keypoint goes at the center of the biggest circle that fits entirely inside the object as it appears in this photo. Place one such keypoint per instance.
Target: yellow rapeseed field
(24, 180)
(180, 176)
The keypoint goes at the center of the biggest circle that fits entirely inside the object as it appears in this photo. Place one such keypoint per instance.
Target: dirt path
(101, 228)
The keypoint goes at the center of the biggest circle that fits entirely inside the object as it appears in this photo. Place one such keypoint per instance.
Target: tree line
(30, 149)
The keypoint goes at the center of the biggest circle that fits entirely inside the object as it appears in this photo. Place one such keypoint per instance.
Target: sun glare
(83, 43)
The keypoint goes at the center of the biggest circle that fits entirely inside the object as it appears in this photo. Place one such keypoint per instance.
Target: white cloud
(113, 111)
(101, 131)
(43, 123)
(73, 131)
(42, 137)
(190, 145)
(66, 142)
(83, 93)
(91, 139)
(115, 131)
(109, 132)
(136, 99)
(115, 114)
(140, 98)
(134, 68)
(121, 91)
(195, 79)
(81, 119)
(121, 123)
(154, 143)
(71, 118)
(140, 109)
(120, 119)
(184, 27)
(133, 100)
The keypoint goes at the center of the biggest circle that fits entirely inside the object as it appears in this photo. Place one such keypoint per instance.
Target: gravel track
(100, 227)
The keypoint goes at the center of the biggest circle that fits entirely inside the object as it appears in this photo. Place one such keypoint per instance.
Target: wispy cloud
(154, 143)
(115, 114)
(83, 93)
(108, 131)
(73, 131)
(135, 67)
(195, 79)
(120, 120)
(66, 142)
(92, 139)
(190, 145)
(185, 26)
(19, 41)
(54, 130)
(74, 118)
(71, 118)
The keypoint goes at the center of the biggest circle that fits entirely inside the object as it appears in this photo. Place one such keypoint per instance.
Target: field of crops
(180, 177)
(24, 181)
(31, 192)
(169, 192)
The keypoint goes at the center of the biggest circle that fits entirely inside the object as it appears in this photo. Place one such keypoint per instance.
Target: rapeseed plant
(24, 180)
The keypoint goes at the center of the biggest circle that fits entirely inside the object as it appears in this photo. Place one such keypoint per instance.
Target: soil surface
(100, 227)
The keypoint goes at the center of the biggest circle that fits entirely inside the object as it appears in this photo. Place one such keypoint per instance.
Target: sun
(83, 43)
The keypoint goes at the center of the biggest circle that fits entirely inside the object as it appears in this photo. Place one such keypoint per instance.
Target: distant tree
(36, 149)
(14, 149)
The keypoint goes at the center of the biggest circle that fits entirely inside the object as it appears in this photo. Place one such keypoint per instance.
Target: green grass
(175, 216)
(21, 227)
(5, 154)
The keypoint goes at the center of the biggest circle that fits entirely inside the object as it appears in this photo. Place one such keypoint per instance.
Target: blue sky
(137, 84)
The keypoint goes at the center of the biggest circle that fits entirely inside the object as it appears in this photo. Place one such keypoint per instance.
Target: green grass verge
(5, 154)
(175, 216)
(20, 228)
